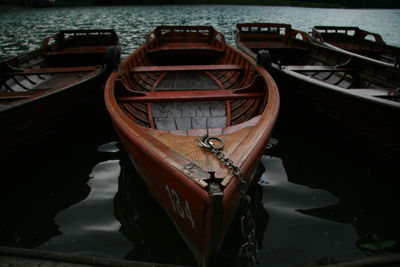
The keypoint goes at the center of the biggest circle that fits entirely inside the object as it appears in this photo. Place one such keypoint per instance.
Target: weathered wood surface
(21, 257)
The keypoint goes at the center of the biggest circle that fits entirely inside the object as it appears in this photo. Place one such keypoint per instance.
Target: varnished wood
(354, 95)
(40, 89)
(192, 84)
(221, 67)
(167, 96)
(190, 46)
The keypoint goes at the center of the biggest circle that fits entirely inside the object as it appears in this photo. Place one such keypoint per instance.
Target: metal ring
(210, 144)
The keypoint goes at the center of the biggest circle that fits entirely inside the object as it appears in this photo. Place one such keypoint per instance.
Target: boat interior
(63, 58)
(186, 81)
(292, 50)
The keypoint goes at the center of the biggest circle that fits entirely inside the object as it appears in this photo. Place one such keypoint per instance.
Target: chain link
(249, 249)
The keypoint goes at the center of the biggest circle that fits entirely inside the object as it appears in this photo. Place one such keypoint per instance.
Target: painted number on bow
(184, 211)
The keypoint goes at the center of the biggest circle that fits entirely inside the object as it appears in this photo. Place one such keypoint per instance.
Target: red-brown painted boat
(353, 95)
(358, 41)
(184, 83)
(40, 89)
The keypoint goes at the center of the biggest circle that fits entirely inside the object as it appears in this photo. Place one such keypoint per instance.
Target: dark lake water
(319, 195)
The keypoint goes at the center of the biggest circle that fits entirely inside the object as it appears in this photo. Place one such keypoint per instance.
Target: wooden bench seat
(51, 70)
(219, 67)
(184, 46)
(315, 68)
(192, 95)
(215, 131)
(271, 45)
(80, 50)
(258, 35)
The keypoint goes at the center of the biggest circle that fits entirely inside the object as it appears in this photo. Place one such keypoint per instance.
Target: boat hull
(352, 95)
(165, 99)
(364, 120)
(190, 208)
(202, 218)
(41, 89)
(30, 123)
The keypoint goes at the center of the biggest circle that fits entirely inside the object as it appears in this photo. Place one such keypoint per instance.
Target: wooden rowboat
(358, 41)
(353, 95)
(40, 89)
(186, 87)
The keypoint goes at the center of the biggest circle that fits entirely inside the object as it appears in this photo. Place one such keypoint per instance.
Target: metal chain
(249, 249)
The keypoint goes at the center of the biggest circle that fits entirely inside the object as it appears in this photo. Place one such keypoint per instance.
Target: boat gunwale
(311, 40)
(317, 37)
(298, 75)
(346, 91)
(50, 92)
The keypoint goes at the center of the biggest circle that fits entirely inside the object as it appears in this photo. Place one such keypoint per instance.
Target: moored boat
(353, 95)
(179, 101)
(42, 88)
(358, 41)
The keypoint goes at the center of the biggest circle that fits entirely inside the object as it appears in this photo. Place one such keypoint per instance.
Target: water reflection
(89, 227)
(50, 195)
(46, 181)
(293, 237)
(316, 196)
(351, 195)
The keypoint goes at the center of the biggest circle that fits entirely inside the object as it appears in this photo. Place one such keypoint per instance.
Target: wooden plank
(217, 108)
(184, 46)
(51, 70)
(24, 94)
(199, 122)
(214, 67)
(194, 95)
(202, 108)
(183, 123)
(80, 50)
(159, 110)
(237, 127)
(188, 110)
(165, 123)
(314, 68)
(376, 91)
(216, 122)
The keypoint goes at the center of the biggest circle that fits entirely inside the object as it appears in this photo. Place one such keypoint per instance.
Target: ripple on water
(110, 147)
(30, 26)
